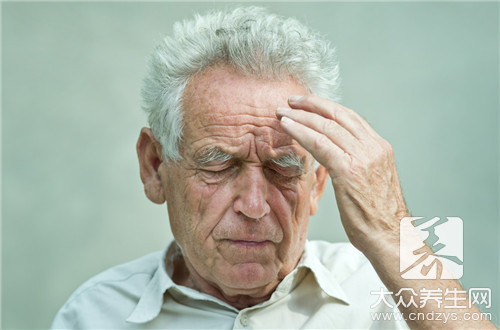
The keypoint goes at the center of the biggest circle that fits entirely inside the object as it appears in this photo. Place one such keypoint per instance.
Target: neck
(186, 275)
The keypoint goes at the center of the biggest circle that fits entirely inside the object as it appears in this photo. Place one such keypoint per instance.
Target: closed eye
(217, 174)
(284, 177)
(288, 171)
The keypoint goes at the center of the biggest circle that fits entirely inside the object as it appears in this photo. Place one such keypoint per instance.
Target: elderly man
(244, 135)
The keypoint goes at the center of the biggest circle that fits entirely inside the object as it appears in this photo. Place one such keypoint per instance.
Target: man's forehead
(235, 112)
(221, 92)
(226, 131)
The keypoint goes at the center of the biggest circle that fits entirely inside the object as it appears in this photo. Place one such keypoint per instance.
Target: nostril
(252, 207)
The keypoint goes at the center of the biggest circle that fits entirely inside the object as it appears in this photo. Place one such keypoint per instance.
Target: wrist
(384, 248)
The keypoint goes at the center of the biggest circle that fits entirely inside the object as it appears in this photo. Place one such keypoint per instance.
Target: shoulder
(121, 276)
(108, 296)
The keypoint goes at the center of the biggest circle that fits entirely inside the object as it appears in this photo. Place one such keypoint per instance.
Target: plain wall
(425, 75)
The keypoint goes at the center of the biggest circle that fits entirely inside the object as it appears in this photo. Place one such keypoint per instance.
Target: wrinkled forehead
(240, 134)
(222, 107)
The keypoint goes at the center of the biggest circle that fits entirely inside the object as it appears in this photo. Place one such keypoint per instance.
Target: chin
(249, 277)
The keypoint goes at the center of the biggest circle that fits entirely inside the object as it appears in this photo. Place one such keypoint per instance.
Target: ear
(318, 189)
(150, 158)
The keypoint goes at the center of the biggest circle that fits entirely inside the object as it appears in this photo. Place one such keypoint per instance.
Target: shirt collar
(151, 301)
(324, 277)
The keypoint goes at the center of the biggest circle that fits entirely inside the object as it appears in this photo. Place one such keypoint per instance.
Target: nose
(251, 199)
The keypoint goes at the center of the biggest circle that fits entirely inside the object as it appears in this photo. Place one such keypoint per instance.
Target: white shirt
(330, 288)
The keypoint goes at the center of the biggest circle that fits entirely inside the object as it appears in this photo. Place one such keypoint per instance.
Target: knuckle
(386, 148)
(321, 142)
(334, 113)
(328, 126)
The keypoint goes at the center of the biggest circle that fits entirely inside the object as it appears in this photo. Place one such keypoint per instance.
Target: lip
(249, 243)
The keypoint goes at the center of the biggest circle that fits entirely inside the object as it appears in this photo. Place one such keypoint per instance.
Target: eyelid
(288, 170)
(215, 175)
(220, 166)
(216, 167)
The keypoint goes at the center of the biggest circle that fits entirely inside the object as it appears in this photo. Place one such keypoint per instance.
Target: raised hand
(361, 166)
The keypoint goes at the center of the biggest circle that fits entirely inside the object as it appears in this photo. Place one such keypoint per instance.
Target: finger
(333, 130)
(346, 117)
(321, 147)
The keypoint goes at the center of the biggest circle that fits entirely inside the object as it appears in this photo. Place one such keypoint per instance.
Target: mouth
(249, 243)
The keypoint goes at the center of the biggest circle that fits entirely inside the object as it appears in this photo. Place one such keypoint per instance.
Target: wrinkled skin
(241, 224)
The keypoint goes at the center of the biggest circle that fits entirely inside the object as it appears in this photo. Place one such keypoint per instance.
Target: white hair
(251, 41)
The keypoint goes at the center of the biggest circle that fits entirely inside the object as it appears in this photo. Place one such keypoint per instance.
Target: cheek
(283, 203)
(206, 206)
(292, 211)
(196, 210)
(291, 206)
(286, 207)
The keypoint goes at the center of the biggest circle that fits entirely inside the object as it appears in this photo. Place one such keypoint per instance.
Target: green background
(425, 75)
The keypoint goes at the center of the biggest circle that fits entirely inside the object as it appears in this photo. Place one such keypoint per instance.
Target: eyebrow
(213, 154)
(289, 160)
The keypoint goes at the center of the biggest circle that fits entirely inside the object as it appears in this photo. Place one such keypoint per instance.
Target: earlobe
(150, 159)
(318, 189)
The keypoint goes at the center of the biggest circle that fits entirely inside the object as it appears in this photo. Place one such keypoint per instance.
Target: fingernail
(294, 98)
(281, 110)
(286, 120)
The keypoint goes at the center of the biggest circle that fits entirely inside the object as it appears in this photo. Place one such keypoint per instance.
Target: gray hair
(251, 41)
